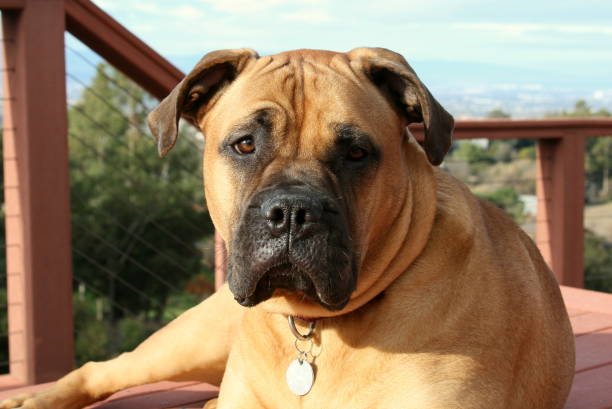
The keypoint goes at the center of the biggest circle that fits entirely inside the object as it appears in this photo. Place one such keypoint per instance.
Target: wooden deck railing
(36, 183)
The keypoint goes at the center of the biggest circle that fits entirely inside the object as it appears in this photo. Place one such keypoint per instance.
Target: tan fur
(454, 308)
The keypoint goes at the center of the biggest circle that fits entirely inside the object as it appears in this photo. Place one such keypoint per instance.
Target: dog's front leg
(195, 346)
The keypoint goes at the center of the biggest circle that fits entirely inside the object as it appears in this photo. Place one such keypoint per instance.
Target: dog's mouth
(282, 276)
(286, 276)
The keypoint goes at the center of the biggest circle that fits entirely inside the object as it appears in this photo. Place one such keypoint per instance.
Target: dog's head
(310, 176)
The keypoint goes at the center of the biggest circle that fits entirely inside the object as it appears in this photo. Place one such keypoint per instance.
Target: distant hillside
(598, 219)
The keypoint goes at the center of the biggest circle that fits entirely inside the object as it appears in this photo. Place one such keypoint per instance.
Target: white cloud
(144, 28)
(187, 12)
(241, 6)
(147, 8)
(106, 4)
(603, 95)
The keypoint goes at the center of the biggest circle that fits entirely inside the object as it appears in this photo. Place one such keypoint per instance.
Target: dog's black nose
(291, 212)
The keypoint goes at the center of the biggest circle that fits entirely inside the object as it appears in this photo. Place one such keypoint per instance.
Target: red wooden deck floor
(590, 313)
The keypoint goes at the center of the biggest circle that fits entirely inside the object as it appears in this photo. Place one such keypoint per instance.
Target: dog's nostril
(276, 214)
(301, 216)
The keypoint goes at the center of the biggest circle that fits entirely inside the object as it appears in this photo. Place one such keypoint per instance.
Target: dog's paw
(52, 398)
(16, 401)
(211, 404)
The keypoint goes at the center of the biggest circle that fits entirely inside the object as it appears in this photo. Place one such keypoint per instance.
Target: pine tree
(138, 220)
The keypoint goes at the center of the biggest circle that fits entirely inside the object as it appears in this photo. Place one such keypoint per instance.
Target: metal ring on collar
(294, 330)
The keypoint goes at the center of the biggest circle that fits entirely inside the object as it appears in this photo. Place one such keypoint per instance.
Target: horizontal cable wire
(102, 156)
(112, 80)
(116, 276)
(101, 294)
(119, 86)
(138, 238)
(130, 258)
(132, 123)
(141, 213)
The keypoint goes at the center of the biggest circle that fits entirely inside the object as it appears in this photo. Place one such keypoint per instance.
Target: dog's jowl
(360, 275)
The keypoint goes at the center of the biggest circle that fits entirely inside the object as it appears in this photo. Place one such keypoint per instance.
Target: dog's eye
(194, 96)
(356, 153)
(245, 145)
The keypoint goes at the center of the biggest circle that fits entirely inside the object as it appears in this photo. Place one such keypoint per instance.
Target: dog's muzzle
(293, 238)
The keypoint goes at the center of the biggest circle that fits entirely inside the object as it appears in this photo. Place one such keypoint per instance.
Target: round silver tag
(300, 377)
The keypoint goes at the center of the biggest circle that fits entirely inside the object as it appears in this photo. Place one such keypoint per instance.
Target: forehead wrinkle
(276, 79)
(327, 82)
(290, 77)
(269, 64)
(315, 75)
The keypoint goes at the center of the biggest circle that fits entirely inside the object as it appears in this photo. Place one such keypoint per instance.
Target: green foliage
(472, 153)
(138, 220)
(508, 200)
(130, 208)
(92, 335)
(498, 113)
(504, 150)
(476, 156)
(177, 304)
(131, 332)
(598, 263)
(581, 110)
(528, 152)
(598, 167)
(92, 342)
(97, 338)
(507, 150)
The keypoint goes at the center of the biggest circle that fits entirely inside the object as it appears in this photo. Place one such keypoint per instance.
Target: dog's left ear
(397, 80)
(208, 78)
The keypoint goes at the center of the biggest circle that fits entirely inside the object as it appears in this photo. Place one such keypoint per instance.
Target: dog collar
(305, 319)
(312, 325)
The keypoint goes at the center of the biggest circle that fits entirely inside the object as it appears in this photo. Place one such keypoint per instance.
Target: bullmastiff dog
(404, 291)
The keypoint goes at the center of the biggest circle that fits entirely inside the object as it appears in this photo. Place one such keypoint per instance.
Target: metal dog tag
(300, 377)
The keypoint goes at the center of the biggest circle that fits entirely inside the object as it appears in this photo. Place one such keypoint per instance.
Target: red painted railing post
(37, 193)
(560, 191)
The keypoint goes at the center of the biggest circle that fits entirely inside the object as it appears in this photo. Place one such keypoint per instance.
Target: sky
(538, 48)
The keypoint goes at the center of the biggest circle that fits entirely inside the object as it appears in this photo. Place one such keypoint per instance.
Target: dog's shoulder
(470, 215)
(478, 229)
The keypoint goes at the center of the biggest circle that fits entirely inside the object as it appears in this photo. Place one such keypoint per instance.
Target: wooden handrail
(527, 128)
(12, 4)
(121, 48)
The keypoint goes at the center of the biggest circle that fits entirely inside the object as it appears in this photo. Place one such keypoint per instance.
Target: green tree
(507, 150)
(476, 156)
(137, 219)
(581, 110)
(598, 263)
(598, 164)
(498, 113)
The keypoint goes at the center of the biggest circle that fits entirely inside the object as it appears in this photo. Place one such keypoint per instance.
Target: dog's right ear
(397, 80)
(195, 92)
